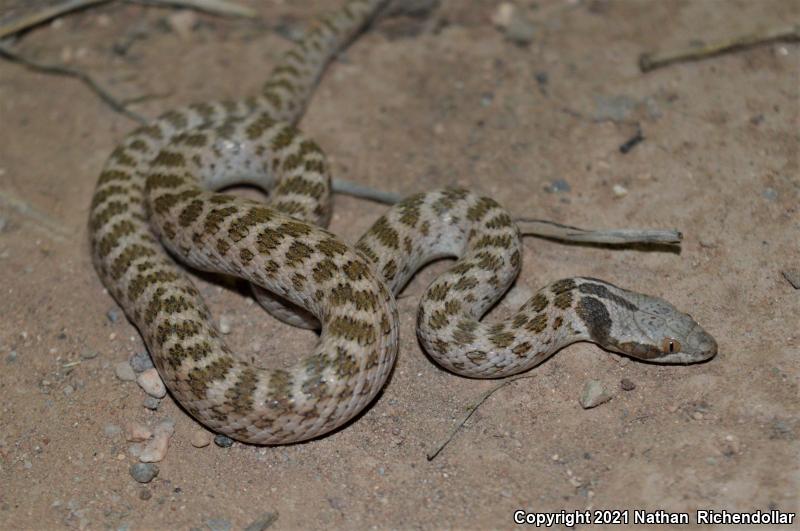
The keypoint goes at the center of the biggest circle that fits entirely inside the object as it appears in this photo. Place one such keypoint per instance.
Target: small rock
(145, 494)
(151, 383)
(262, 522)
(89, 354)
(124, 371)
(770, 194)
(503, 15)
(223, 441)
(140, 361)
(520, 31)
(557, 186)
(201, 438)
(135, 450)
(113, 315)
(696, 415)
(182, 23)
(791, 275)
(135, 432)
(155, 450)
(111, 430)
(486, 99)
(12, 357)
(619, 190)
(627, 385)
(730, 446)
(68, 390)
(151, 403)
(218, 524)
(593, 394)
(224, 324)
(143, 472)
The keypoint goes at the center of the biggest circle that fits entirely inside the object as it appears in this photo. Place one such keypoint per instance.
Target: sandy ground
(413, 105)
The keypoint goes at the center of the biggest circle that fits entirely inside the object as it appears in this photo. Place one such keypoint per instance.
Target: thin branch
(431, 455)
(61, 70)
(651, 61)
(48, 13)
(551, 229)
(215, 7)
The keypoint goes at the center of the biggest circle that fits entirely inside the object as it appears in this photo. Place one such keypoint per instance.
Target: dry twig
(651, 61)
(62, 70)
(431, 455)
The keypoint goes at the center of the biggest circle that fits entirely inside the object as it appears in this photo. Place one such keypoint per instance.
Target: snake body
(156, 191)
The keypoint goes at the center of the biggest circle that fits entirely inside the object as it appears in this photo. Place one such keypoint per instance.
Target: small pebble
(619, 190)
(627, 385)
(89, 354)
(113, 315)
(135, 432)
(135, 450)
(182, 23)
(68, 390)
(262, 522)
(593, 394)
(124, 371)
(143, 472)
(503, 15)
(770, 194)
(12, 357)
(156, 449)
(223, 441)
(151, 383)
(520, 31)
(111, 430)
(201, 438)
(140, 361)
(557, 186)
(697, 415)
(218, 524)
(151, 403)
(225, 324)
(145, 494)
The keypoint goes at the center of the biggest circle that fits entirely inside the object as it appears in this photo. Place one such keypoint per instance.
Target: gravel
(151, 403)
(143, 472)
(200, 438)
(140, 361)
(223, 441)
(124, 371)
(151, 383)
(627, 385)
(593, 394)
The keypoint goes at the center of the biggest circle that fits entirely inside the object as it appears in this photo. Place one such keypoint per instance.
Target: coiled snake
(156, 189)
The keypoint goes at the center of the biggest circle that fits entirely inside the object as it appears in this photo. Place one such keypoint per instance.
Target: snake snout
(703, 345)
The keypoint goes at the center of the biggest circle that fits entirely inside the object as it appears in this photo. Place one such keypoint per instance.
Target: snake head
(641, 326)
(660, 333)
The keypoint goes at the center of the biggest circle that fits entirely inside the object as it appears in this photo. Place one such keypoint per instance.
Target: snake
(158, 204)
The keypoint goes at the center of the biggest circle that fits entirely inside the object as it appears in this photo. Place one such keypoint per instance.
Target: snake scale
(157, 191)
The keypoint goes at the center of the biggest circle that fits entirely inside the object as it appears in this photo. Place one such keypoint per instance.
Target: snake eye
(670, 345)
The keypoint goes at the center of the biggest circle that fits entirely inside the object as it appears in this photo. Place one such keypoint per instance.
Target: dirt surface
(413, 105)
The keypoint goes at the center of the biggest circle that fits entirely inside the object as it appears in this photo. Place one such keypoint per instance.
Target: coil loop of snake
(157, 190)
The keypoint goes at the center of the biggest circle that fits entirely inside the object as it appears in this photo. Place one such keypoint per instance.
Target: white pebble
(225, 324)
(619, 190)
(124, 371)
(503, 15)
(135, 432)
(155, 450)
(182, 23)
(201, 438)
(151, 383)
